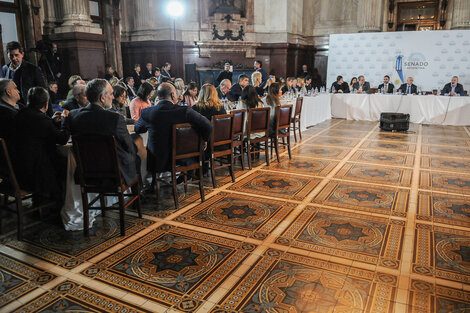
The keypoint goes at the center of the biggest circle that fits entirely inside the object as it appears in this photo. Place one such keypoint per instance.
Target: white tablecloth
(315, 110)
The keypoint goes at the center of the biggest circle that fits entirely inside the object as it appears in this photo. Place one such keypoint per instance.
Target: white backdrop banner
(430, 57)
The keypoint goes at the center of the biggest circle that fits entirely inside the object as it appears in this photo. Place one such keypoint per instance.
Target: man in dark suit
(453, 88)
(340, 86)
(361, 86)
(387, 86)
(79, 99)
(409, 87)
(304, 73)
(138, 76)
(224, 88)
(9, 96)
(131, 89)
(225, 74)
(264, 76)
(95, 119)
(235, 91)
(38, 166)
(158, 121)
(165, 72)
(148, 72)
(24, 74)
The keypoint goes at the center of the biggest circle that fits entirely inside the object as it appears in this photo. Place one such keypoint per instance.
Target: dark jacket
(94, 120)
(403, 89)
(344, 87)
(390, 89)
(235, 92)
(365, 87)
(264, 77)
(448, 88)
(158, 121)
(220, 93)
(25, 77)
(71, 104)
(138, 79)
(223, 75)
(7, 115)
(37, 164)
(146, 74)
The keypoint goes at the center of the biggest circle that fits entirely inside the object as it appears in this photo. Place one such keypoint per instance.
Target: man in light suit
(409, 88)
(453, 88)
(361, 86)
(387, 86)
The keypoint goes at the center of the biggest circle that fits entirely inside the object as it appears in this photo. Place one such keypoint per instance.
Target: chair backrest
(97, 160)
(7, 173)
(283, 117)
(298, 106)
(238, 122)
(258, 120)
(186, 142)
(222, 130)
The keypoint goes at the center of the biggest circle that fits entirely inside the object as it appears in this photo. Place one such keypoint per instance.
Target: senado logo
(416, 61)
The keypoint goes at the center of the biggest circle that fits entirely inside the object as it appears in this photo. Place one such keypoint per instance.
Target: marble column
(461, 14)
(76, 17)
(50, 16)
(370, 15)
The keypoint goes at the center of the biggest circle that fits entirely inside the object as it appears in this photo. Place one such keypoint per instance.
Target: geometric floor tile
(446, 141)
(242, 215)
(425, 297)
(72, 297)
(302, 165)
(382, 200)
(445, 164)
(456, 152)
(355, 125)
(388, 146)
(18, 278)
(364, 238)
(335, 141)
(445, 182)
(444, 208)
(385, 158)
(276, 185)
(307, 150)
(69, 249)
(172, 266)
(442, 252)
(285, 282)
(446, 132)
(344, 133)
(375, 174)
(386, 136)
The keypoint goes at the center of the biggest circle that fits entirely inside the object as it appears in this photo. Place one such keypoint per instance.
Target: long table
(422, 109)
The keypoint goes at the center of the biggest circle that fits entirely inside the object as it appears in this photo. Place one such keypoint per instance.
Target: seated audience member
(290, 86)
(351, 84)
(120, 103)
(301, 85)
(271, 79)
(179, 85)
(138, 77)
(304, 73)
(9, 107)
(141, 101)
(190, 95)
(158, 75)
(74, 80)
(453, 88)
(148, 72)
(387, 86)
(273, 99)
(110, 73)
(159, 120)
(165, 72)
(225, 74)
(95, 119)
(250, 99)
(409, 87)
(361, 86)
(208, 103)
(236, 90)
(256, 80)
(258, 65)
(154, 82)
(308, 83)
(38, 166)
(79, 99)
(340, 86)
(53, 89)
(224, 88)
(130, 85)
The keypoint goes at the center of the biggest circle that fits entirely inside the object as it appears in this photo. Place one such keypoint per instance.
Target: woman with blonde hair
(301, 85)
(208, 103)
(256, 79)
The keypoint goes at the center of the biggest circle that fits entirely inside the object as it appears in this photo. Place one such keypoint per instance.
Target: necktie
(409, 90)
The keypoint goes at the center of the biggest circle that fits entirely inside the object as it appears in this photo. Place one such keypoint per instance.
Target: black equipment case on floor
(394, 121)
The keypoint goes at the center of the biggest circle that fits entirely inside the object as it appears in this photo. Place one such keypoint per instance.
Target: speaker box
(394, 121)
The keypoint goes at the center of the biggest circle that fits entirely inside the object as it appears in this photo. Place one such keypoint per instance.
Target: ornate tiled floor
(357, 221)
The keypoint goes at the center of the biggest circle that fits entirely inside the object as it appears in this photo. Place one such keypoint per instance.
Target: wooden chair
(187, 144)
(99, 172)
(10, 188)
(258, 126)
(296, 117)
(238, 134)
(221, 145)
(282, 130)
